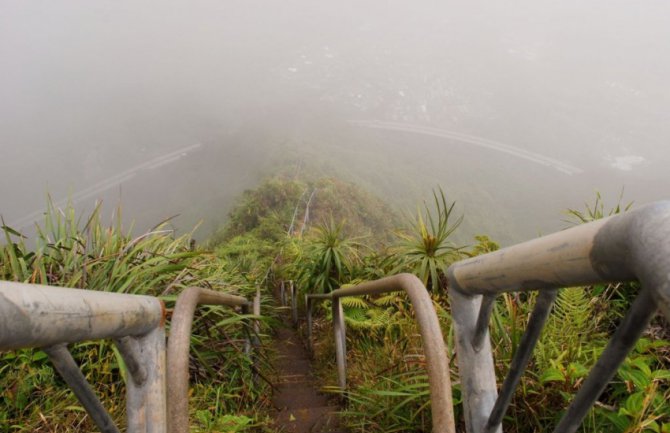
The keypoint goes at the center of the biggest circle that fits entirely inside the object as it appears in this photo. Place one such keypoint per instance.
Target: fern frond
(389, 299)
(354, 302)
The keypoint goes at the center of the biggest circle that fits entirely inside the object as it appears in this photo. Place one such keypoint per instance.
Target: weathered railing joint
(52, 317)
(630, 246)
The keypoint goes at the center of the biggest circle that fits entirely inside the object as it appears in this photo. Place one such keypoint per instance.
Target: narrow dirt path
(300, 407)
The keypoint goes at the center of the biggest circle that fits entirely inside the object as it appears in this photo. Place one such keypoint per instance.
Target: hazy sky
(524, 107)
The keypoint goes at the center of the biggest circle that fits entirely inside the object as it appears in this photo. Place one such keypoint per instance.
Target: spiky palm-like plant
(427, 250)
(328, 257)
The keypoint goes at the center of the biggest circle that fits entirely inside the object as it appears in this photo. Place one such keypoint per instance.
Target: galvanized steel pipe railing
(283, 295)
(429, 327)
(630, 246)
(294, 303)
(51, 317)
(179, 344)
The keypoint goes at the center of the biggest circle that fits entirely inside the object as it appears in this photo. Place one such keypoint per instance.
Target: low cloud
(625, 162)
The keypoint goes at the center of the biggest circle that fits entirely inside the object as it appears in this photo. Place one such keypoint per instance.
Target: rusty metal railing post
(308, 314)
(146, 404)
(255, 339)
(179, 346)
(435, 351)
(340, 334)
(282, 294)
(294, 303)
(247, 309)
(257, 313)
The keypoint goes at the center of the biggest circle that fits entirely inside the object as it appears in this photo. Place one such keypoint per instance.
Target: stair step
(295, 378)
(296, 396)
(320, 419)
(301, 408)
(293, 366)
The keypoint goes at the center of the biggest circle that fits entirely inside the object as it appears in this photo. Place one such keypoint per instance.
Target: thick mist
(518, 110)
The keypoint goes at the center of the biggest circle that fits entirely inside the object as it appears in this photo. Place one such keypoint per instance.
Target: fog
(517, 109)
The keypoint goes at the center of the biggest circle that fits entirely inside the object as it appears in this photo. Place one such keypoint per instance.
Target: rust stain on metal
(179, 346)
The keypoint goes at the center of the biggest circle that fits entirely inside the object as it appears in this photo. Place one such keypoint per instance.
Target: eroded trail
(300, 407)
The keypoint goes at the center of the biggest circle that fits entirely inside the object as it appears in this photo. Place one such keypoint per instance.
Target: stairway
(300, 407)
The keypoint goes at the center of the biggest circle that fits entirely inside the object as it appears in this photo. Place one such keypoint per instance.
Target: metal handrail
(48, 317)
(294, 299)
(626, 247)
(179, 344)
(631, 246)
(51, 317)
(429, 327)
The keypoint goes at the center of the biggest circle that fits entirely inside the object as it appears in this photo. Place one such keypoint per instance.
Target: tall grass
(387, 383)
(85, 253)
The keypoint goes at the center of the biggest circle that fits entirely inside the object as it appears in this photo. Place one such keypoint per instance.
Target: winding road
(518, 152)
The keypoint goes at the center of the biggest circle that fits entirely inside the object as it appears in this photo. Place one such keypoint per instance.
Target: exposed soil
(300, 407)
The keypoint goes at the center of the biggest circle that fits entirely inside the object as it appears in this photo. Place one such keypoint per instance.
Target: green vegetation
(328, 257)
(388, 387)
(427, 250)
(90, 255)
(324, 233)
